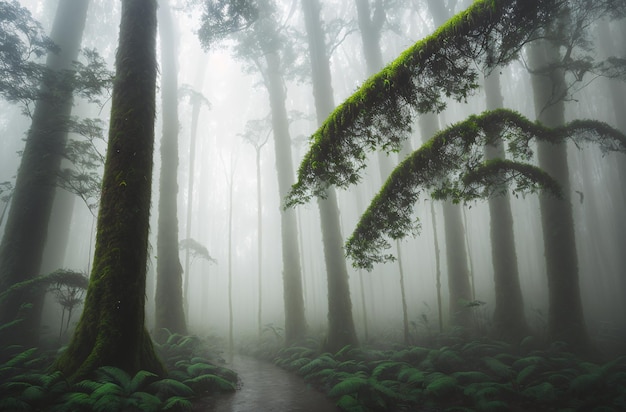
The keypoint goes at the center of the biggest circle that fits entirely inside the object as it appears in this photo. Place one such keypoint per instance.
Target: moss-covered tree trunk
(508, 317)
(565, 318)
(295, 320)
(169, 310)
(26, 231)
(111, 329)
(341, 330)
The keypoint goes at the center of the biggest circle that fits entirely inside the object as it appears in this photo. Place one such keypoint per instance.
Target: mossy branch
(452, 166)
(444, 65)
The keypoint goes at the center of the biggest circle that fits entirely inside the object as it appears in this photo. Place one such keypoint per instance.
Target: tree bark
(509, 322)
(169, 311)
(565, 319)
(26, 230)
(111, 330)
(341, 330)
(295, 321)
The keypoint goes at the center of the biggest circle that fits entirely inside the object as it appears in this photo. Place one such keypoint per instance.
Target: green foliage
(196, 249)
(223, 17)
(487, 376)
(451, 166)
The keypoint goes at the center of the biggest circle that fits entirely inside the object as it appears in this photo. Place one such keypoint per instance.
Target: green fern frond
(322, 362)
(319, 375)
(11, 404)
(525, 374)
(441, 387)
(111, 374)
(209, 382)
(411, 375)
(86, 386)
(349, 386)
(141, 380)
(345, 351)
(166, 388)
(497, 367)
(144, 402)
(198, 369)
(108, 389)
(21, 358)
(297, 363)
(349, 403)
(388, 367)
(74, 402)
(177, 404)
(109, 402)
(33, 395)
(542, 392)
(468, 377)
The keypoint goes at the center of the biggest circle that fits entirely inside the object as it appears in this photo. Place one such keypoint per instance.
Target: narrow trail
(267, 388)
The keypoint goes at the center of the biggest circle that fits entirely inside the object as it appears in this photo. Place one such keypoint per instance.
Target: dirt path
(267, 388)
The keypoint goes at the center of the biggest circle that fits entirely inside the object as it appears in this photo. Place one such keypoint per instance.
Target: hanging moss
(443, 65)
(452, 166)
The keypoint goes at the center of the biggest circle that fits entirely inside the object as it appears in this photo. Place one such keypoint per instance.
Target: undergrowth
(26, 383)
(482, 375)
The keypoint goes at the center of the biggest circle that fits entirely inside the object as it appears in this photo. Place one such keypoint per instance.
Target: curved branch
(446, 64)
(452, 166)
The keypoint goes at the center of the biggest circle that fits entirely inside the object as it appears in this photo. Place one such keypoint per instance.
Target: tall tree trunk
(196, 100)
(565, 319)
(370, 26)
(27, 223)
(169, 311)
(341, 330)
(295, 321)
(459, 286)
(508, 317)
(111, 329)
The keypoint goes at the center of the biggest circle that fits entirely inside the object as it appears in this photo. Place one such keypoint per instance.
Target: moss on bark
(111, 330)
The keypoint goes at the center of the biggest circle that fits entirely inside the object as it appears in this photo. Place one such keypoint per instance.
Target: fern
(145, 402)
(178, 404)
(12, 404)
(348, 386)
(497, 367)
(198, 369)
(349, 403)
(441, 387)
(209, 382)
(321, 362)
(468, 377)
(166, 388)
(542, 392)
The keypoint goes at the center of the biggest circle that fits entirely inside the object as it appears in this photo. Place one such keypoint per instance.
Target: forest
(313, 205)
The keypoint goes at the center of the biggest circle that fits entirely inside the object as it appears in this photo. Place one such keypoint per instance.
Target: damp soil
(265, 387)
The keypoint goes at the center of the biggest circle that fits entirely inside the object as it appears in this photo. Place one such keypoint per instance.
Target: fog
(225, 163)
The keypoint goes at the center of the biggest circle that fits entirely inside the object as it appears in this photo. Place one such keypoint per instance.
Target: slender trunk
(259, 217)
(509, 322)
(295, 321)
(437, 267)
(341, 330)
(231, 342)
(196, 103)
(456, 251)
(169, 312)
(565, 318)
(22, 246)
(111, 329)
